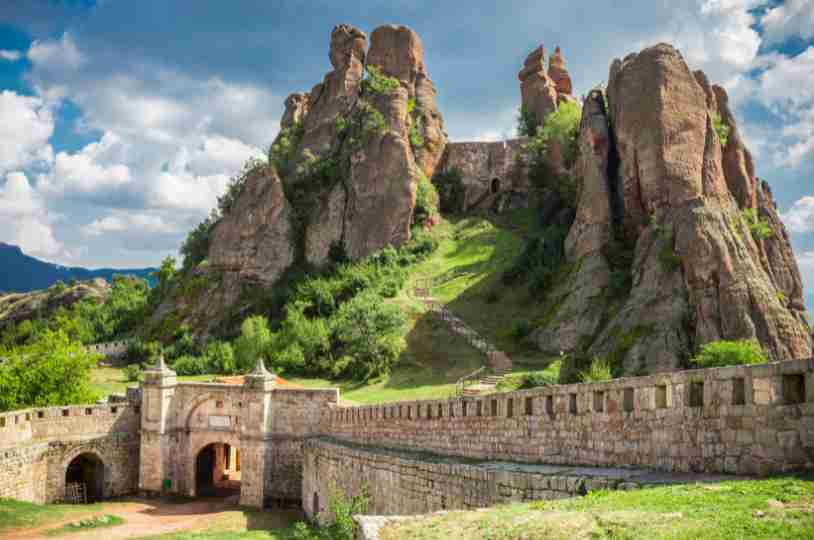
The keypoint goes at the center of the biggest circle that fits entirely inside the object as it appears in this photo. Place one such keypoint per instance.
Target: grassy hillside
(772, 508)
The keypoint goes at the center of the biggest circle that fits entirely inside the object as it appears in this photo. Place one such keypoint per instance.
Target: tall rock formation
(542, 91)
(665, 188)
(341, 181)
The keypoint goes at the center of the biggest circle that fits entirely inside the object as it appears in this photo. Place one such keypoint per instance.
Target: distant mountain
(22, 273)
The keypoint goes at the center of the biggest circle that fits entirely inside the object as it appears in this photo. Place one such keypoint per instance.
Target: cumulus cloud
(10, 56)
(793, 18)
(24, 219)
(800, 217)
(26, 124)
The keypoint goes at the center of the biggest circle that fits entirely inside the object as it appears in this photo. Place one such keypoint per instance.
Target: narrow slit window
(599, 401)
(494, 407)
(549, 405)
(510, 408)
(696, 394)
(794, 389)
(738, 392)
(628, 400)
(572, 403)
(661, 396)
(529, 407)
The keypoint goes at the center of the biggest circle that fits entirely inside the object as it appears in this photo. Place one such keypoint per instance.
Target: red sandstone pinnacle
(558, 73)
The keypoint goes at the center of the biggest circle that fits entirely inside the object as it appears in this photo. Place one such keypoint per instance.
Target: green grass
(23, 515)
(771, 508)
(96, 522)
(110, 380)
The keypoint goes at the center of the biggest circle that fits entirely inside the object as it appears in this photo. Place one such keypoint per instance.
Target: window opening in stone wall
(549, 404)
(661, 396)
(84, 479)
(495, 185)
(572, 403)
(315, 503)
(440, 411)
(599, 401)
(463, 408)
(696, 394)
(65, 412)
(479, 409)
(529, 407)
(40, 414)
(794, 388)
(738, 391)
(114, 410)
(3, 422)
(494, 407)
(88, 412)
(509, 408)
(628, 400)
(217, 471)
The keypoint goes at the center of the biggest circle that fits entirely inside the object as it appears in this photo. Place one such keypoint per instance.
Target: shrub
(376, 82)
(599, 370)
(426, 201)
(451, 190)
(342, 510)
(758, 226)
(191, 365)
(721, 128)
(526, 123)
(521, 329)
(253, 343)
(142, 351)
(416, 139)
(58, 287)
(283, 150)
(730, 353)
(668, 259)
(196, 245)
(562, 127)
(220, 358)
(132, 373)
(546, 377)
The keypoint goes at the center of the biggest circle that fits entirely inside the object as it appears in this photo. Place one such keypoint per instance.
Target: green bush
(758, 226)
(132, 373)
(283, 150)
(196, 245)
(668, 259)
(140, 351)
(426, 201)
(599, 370)
(451, 190)
(53, 370)
(416, 139)
(191, 365)
(342, 510)
(730, 353)
(376, 82)
(521, 329)
(58, 287)
(253, 343)
(546, 377)
(526, 123)
(562, 127)
(721, 128)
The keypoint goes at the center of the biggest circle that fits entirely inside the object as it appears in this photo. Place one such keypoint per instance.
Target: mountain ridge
(24, 273)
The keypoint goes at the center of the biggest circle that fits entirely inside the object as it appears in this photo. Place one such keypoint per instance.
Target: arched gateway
(85, 479)
(206, 439)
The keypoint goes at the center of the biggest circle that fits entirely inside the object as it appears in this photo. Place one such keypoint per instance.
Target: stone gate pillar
(158, 393)
(254, 435)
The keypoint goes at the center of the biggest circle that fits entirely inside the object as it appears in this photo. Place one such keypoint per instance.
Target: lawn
(23, 515)
(771, 508)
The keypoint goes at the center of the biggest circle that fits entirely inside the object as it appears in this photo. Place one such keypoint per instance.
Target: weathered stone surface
(254, 239)
(489, 171)
(296, 108)
(338, 91)
(538, 92)
(671, 169)
(381, 184)
(558, 73)
(398, 51)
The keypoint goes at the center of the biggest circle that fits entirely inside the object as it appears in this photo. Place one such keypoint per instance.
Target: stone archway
(217, 471)
(495, 185)
(85, 478)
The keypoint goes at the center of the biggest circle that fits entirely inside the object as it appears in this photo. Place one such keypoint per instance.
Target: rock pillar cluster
(542, 91)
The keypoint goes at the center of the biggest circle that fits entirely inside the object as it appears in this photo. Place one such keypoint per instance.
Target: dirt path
(141, 518)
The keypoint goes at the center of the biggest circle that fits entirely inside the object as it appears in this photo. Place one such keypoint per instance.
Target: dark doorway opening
(217, 471)
(85, 479)
(495, 185)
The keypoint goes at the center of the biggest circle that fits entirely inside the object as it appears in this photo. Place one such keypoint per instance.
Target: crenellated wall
(36, 446)
(746, 420)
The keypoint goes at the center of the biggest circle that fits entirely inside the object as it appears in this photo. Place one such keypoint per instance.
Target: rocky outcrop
(542, 91)
(675, 197)
(18, 307)
(343, 179)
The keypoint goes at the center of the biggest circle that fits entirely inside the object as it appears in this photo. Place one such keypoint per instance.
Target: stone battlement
(742, 419)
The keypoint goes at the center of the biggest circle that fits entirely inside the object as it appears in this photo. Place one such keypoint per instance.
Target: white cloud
(24, 219)
(790, 19)
(122, 222)
(800, 217)
(10, 56)
(26, 124)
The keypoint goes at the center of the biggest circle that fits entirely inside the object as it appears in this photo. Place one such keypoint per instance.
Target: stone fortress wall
(37, 445)
(742, 420)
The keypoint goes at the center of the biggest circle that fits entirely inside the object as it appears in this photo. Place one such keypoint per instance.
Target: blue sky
(121, 122)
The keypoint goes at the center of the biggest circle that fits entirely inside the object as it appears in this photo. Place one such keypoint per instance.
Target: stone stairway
(497, 362)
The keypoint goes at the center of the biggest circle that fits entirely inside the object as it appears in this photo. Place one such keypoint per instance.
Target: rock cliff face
(657, 184)
(342, 179)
